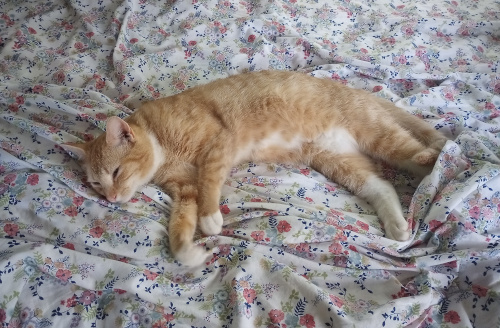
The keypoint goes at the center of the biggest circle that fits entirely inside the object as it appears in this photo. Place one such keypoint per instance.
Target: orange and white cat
(187, 144)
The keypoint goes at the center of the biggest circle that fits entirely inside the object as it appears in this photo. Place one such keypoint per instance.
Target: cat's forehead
(101, 157)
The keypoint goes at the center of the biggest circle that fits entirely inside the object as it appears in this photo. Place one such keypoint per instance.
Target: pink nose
(111, 198)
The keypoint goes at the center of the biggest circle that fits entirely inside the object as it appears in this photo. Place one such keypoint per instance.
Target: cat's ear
(77, 149)
(118, 132)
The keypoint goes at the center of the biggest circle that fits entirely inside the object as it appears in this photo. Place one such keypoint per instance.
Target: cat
(187, 143)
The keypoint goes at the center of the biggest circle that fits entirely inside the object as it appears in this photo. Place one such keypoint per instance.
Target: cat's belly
(284, 149)
(272, 148)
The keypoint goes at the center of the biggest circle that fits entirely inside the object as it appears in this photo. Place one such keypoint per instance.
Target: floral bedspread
(297, 250)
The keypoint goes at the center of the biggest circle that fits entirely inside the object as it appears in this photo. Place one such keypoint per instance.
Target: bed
(296, 250)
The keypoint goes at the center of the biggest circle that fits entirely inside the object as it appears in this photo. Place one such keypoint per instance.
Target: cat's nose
(111, 198)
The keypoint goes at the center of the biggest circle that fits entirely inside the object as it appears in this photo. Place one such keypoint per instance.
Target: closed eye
(115, 173)
(95, 184)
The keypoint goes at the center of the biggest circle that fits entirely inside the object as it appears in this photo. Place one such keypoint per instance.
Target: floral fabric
(296, 250)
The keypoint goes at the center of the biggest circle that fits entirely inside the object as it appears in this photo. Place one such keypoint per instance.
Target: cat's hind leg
(416, 126)
(357, 172)
(397, 146)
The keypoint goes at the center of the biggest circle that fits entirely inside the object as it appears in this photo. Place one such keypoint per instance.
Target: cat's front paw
(399, 231)
(211, 224)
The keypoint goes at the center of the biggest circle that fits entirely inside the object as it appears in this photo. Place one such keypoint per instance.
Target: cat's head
(118, 162)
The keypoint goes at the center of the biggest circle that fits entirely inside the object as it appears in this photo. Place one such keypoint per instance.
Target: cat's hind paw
(211, 224)
(399, 231)
(426, 157)
(192, 256)
(438, 144)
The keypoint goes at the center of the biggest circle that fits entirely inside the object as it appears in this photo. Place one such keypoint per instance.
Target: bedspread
(296, 249)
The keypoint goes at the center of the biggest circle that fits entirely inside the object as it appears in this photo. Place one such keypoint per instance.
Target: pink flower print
(449, 96)
(150, 275)
(32, 179)
(408, 31)
(469, 226)
(337, 301)
(390, 40)
(452, 264)
(340, 261)
(168, 317)
(452, 317)
(377, 88)
(475, 212)
(479, 290)
(224, 250)
(78, 200)
(251, 38)
(96, 232)
(258, 235)
(101, 116)
(362, 225)
(487, 213)
(100, 84)
(69, 246)
(434, 224)
(302, 248)
(276, 316)
(87, 297)
(283, 226)
(79, 46)
(11, 229)
(59, 76)
(335, 248)
(115, 226)
(9, 178)
(63, 274)
(250, 295)
(26, 315)
(180, 85)
(308, 321)
(71, 211)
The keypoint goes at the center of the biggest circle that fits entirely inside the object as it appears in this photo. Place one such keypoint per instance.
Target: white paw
(211, 224)
(192, 256)
(397, 231)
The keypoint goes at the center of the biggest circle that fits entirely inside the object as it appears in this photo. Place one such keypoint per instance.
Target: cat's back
(260, 101)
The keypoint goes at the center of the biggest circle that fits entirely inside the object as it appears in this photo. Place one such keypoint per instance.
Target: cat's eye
(95, 184)
(115, 173)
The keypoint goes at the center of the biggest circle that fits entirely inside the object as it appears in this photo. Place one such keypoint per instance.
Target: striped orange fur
(187, 144)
